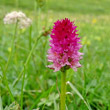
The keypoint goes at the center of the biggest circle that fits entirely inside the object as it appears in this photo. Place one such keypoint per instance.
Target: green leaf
(56, 105)
(78, 93)
(1, 108)
(13, 106)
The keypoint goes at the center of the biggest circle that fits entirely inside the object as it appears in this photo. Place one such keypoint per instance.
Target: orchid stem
(63, 90)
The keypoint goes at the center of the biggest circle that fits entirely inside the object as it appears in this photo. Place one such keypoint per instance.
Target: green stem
(63, 90)
(35, 6)
(22, 89)
(7, 64)
(23, 71)
(17, 3)
(12, 46)
(28, 58)
(15, 49)
(30, 39)
(46, 9)
(1, 107)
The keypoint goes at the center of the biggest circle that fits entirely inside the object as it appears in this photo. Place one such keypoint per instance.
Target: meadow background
(92, 80)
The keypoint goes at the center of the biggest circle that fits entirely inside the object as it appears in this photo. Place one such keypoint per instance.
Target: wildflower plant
(64, 52)
(20, 17)
(20, 20)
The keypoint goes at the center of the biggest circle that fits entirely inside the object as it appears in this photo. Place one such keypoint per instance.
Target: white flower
(25, 23)
(20, 17)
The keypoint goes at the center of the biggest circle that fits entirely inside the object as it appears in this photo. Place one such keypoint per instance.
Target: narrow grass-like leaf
(43, 94)
(78, 93)
(27, 60)
(56, 106)
(1, 108)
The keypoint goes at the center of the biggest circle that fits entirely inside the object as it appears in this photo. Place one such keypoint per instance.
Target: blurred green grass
(92, 80)
(73, 6)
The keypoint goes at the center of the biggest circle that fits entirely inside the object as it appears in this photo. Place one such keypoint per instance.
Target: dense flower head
(20, 17)
(65, 45)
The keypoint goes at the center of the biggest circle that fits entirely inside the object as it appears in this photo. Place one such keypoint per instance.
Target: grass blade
(78, 93)
(1, 108)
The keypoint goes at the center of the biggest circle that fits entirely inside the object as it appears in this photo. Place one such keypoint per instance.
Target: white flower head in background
(20, 17)
(25, 23)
